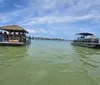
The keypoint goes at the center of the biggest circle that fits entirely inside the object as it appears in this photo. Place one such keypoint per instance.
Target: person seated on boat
(82, 36)
(5, 33)
(19, 36)
(19, 33)
(10, 36)
(22, 34)
(15, 34)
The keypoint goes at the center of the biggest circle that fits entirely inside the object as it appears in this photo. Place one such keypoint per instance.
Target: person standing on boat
(1, 36)
(5, 36)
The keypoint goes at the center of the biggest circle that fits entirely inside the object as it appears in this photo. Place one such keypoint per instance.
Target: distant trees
(42, 38)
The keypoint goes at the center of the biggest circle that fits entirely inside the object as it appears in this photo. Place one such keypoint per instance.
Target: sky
(52, 18)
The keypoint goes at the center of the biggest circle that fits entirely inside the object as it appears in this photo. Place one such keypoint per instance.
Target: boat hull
(6, 43)
(84, 44)
(13, 44)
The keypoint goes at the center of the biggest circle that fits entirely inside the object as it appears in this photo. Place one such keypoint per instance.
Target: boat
(86, 40)
(14, 35)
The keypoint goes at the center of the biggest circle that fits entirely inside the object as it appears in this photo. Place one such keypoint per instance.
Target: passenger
(23, 34)
(10, 36)
(5, 33)
(82, 36)
(5, 36)
(14, 33)
(24, 37)
(15, 36)
(19, 33)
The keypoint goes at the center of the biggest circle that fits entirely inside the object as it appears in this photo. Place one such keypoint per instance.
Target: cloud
(3, 19)
(40, 30)
(52, 33)
(86, 30)
(17, 6)
(55, 11)
(31, 30)
(43, 31)
(57, 19)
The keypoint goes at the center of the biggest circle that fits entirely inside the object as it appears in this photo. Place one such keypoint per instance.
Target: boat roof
(85, 34)
(13, 28)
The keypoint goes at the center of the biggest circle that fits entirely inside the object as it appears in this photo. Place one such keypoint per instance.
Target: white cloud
(52, 33)
(57, 19)
(4, 19)
(73, 11)
(16, 5)
(31, 30)
(40, 30)
(43, 31)
(86, 30)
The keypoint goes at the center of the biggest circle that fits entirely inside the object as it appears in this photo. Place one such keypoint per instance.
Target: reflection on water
(49, 63)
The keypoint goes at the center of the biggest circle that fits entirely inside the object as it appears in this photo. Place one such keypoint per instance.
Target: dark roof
(13, 28)
(86, 34)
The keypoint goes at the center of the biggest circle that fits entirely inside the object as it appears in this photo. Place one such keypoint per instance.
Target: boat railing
(88, 40)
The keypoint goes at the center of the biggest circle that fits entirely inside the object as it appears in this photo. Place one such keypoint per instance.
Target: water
(49, 63)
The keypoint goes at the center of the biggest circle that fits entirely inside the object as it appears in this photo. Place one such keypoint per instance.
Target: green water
(49, 63)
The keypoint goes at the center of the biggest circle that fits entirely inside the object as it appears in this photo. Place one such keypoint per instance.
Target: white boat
(86, 40)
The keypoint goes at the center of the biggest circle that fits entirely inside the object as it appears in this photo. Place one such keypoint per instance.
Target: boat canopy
(85, 34)
(13, 28)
